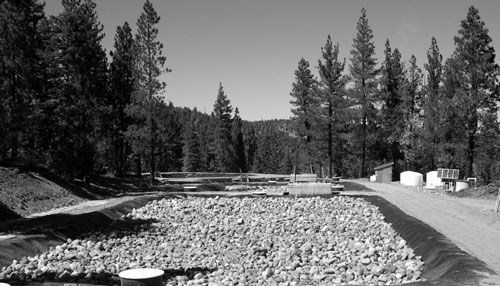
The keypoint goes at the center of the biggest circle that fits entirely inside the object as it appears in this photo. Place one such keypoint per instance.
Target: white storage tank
(461, 185)
(432, 180)
(411, 179)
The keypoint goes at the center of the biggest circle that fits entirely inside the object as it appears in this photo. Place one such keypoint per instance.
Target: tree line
(65, 108)
(355, 117)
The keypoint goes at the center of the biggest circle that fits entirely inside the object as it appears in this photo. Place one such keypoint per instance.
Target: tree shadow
(352, 186)
(6, 213)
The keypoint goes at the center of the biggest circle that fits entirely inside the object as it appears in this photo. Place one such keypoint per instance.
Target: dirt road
(471, 224)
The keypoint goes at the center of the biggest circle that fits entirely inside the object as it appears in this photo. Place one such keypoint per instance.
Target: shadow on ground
(352, 186)
(6, 213)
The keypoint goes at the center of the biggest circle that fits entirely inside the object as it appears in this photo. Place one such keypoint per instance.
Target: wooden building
(384, 172)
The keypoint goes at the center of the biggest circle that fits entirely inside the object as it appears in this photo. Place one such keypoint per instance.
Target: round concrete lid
(141, 273)
(4, 284)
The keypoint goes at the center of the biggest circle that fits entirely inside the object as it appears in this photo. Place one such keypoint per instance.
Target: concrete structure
(383, 173)
(308, 189)
(411, 179)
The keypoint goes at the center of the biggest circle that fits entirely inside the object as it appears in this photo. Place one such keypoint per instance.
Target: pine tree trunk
(14, 121)
(139, 171)
(152, 146)
(363, 150)
(470, 156)
(330, 140)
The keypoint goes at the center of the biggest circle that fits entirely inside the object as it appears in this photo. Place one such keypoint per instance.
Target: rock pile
(237, 241)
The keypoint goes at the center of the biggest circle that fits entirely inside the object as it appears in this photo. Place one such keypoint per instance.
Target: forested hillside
(67, 107)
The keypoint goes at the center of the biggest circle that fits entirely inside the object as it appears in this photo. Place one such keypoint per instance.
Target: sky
(253, 47)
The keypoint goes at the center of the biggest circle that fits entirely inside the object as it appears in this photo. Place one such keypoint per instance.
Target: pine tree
(305, 104)
(363, 73)
(170, 135)
(432, 105)
(121, 88)
(224, 152)
(478, 91)
(333, 99)
(191, 148)
(393, 109)
(250, 147)
(238, 142)
(76, 71)
(148, 66)
(19, 46)
(207, 138)
(413, 105)
(452, 146)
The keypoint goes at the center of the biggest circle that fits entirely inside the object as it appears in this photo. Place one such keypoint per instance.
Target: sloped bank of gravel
(228, 241)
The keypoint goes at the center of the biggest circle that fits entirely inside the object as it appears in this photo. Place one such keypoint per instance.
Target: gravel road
(472, 224)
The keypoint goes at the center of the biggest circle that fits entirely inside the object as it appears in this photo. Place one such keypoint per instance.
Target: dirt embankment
(26, 193)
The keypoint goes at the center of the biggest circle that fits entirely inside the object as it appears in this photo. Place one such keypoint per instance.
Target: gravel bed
(236, 241)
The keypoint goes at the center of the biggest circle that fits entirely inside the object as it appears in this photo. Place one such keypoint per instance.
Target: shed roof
(383, 166)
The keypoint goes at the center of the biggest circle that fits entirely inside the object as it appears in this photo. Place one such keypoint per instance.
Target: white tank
(432, 181)
(373, 178)
(411, 179)
(461, 185)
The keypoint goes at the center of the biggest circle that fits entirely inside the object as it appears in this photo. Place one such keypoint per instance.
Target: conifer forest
(69, 107)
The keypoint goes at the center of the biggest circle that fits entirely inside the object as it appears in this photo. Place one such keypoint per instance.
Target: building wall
(384, 175)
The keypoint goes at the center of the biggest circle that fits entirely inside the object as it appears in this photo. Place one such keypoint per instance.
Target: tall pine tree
(146, 100)
(477, 94)
(363, 73)
(334, 104)
(121, 88)
(76, 71)
(413, 105)
(305, 105)
(19, 47)
(393, 108)
(432, 107)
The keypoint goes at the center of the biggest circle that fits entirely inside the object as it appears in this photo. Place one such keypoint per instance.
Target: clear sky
(253, 46)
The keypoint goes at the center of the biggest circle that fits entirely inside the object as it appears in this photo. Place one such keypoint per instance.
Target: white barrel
(411, 179)
(373, 178)
(141, 277)
(432, 180)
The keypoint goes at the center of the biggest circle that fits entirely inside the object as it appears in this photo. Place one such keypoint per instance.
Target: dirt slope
(22, 194)
(472, 224)
(26, 193)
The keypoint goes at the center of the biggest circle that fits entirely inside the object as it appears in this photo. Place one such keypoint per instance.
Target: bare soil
(25, 194)
(471, 223)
